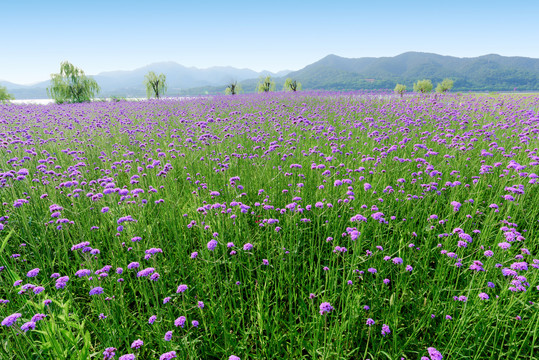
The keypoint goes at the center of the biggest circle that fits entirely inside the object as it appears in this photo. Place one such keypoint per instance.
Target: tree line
(71, 85)
(425, 87)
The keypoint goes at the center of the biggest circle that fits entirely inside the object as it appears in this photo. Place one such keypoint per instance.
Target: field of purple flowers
(281, 226)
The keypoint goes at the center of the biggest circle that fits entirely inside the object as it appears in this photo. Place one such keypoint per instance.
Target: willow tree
(156, 85)
(291, 85)
(71, 85)
(423, 86)
(444, 86)
(400, 89)
(4, 95)
(265, 85)
(233, 88)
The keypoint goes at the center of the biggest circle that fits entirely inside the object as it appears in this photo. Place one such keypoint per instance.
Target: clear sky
(261, 35)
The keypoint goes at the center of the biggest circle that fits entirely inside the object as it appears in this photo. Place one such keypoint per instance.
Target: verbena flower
(137, 344)
(11, 319)
(96, 291)
(325, 307)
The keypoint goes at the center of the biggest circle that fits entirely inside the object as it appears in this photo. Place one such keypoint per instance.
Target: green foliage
(233, 88)
(423, 86)
(444, 86)
(265, 85)
(71, 85)
(63, 336)
(156, 85)
(400, 89)
(4, 95)
(291, 85)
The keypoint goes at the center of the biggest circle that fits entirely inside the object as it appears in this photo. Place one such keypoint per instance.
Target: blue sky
(123, 35)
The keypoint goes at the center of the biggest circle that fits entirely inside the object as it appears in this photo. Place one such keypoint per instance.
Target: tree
(4, 95)
(233, 88)
(400, 89)
(265, 85)
(444, 86)
(71, 85)
(156, 85)
(291, 85)
(423, 86)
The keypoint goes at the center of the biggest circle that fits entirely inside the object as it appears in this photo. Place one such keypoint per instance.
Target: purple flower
(385, 330)
(234, 357)
(397, 260)
(434, 354)
(181, 289)
(166, 300)
(33, 273)
(137, 344)
(168, 335)
(194, 323)
(180, 321)
(127, 357)
(96, 291)
(11, 319)
(38, 317)
(212, 244)
(247, 247)
(109, 353)
(325, 307)
(145, 272)
(483, 296)
(152, 319)
(28, 325)
(194, 255)
(370, 322)
(133, 265)
(168, 355)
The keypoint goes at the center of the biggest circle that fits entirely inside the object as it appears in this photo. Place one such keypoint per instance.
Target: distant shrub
(423, 86)
(400, 89)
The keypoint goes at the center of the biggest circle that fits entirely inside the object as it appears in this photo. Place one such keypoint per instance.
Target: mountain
(484, 73)
(130, 83)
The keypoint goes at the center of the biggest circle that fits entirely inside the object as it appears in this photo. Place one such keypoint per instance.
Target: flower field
(277, 226)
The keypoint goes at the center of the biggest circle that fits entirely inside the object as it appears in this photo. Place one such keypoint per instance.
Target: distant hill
(483, 73)
(130, 83)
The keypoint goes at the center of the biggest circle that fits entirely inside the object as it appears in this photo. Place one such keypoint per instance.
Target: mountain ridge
(490, 72)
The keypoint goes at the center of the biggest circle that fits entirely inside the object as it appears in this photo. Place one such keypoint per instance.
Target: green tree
(4, 95)
(71, 85)
(233, 88)
(156, 85)
(265, 85)
(444, 86)
(423, 86)
(291, 85)
(400, 89)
